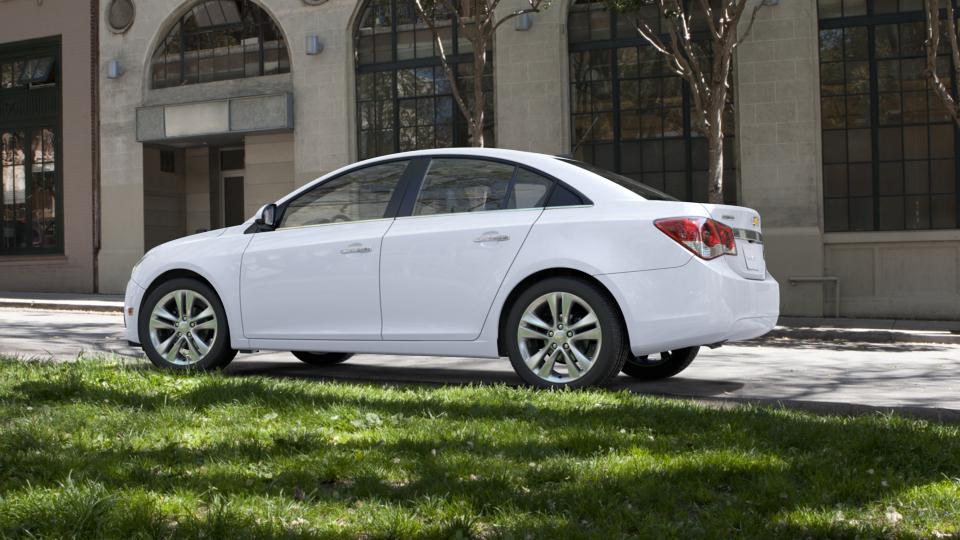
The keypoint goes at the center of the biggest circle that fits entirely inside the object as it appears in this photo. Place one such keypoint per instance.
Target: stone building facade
(824, 139)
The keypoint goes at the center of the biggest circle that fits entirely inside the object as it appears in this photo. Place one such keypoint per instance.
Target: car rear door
(447, 253)
(317, 275)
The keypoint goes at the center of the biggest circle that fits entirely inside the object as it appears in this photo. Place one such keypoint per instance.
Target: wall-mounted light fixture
(524, 22)
(114, 69)
(313, 45)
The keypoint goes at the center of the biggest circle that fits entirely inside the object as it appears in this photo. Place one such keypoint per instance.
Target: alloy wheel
(559, 337)
(183, 327)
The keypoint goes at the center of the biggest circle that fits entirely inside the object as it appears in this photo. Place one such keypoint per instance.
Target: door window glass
(455, 185)
(358, 195)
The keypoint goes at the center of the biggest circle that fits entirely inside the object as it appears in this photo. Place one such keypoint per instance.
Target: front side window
(30, 217)
(355, 196)
(889, 145)
(218, 40)
(404, 99)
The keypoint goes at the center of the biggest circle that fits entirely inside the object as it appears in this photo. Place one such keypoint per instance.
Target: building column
(778, 133)
(530, 81)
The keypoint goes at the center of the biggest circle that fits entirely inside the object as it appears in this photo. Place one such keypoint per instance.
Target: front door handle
(355, 248)
(492, 236)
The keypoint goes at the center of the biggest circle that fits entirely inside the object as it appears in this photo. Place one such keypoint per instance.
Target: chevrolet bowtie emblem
(756, 221)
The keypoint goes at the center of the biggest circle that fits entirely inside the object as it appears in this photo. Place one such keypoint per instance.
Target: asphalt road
(832, 376)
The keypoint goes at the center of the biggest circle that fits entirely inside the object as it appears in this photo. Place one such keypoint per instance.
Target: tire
(322, 359)
(550, 349)
(171, 342)
(669, 364)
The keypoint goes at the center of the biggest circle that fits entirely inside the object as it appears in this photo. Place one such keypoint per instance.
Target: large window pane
(420, 98)
(889, 148)
(623, 95)
(223, 39)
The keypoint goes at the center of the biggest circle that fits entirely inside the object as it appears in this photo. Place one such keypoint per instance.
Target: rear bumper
(699, 303)
(132, 299)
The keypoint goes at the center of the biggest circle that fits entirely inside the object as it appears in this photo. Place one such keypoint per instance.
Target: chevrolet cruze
(574, 273)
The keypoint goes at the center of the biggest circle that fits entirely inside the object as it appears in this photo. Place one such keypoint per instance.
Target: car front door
(317, 275)
(443, 263)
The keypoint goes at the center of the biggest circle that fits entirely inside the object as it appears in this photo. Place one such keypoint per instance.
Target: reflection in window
(404, 99)
(463, 185)
(218, 40)
(888, 142)
(356, 196)
(28, 73)
(28, 189)
(630, 113)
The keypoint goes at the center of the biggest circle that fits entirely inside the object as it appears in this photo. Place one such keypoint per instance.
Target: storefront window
(889, 145)
(629, 113)
(218, 40)
(404, 99)
(30, 184)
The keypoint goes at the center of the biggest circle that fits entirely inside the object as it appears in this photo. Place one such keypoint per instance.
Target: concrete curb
(861, 335)
(46, 305)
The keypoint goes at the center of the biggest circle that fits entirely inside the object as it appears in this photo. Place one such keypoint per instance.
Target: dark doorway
(233, 200)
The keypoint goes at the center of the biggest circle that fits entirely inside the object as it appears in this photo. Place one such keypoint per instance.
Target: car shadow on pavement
(348, 372)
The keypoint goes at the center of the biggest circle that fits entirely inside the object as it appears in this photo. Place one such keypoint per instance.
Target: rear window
(635, 186)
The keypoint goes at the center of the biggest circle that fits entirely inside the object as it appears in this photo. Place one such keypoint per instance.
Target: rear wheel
(659, 366)
(182, 325)
(321, 359)
(565, 333)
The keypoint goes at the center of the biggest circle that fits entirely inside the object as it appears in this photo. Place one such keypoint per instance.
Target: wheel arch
(175, 273)
(540, 275)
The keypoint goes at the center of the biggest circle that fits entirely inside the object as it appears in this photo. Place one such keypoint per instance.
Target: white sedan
(573, 272)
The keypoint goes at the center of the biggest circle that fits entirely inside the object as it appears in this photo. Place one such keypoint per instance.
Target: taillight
(706, 238)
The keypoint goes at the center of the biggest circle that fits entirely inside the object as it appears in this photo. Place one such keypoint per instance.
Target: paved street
(813, 374)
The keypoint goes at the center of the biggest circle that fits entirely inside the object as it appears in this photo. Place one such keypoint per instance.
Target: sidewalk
(793, 328)
(109, 303)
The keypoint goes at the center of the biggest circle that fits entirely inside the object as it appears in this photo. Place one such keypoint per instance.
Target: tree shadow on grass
(625, 465)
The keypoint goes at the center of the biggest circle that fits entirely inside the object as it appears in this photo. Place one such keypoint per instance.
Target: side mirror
(267, 218)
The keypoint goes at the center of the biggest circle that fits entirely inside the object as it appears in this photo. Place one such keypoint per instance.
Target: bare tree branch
(933, 48)
(708, 83)
(451, 77)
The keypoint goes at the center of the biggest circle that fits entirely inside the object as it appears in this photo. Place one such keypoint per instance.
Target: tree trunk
(715, 153)
(479, 65)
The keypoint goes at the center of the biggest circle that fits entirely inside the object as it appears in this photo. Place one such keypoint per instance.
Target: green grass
(105, 449)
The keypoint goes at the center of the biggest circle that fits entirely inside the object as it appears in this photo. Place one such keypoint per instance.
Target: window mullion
(874, 124)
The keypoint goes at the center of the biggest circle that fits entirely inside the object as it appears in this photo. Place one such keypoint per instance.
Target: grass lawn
(105, 449)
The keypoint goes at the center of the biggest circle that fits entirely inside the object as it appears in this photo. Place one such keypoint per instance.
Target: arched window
(404, 100)
(630, 114)
(218, 40)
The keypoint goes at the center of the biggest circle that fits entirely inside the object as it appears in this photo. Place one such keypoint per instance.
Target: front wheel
(182, 325)
(661, 366)
(565, 333)
(321, 359)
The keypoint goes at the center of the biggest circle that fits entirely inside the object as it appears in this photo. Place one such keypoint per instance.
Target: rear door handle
(492, 236)
(355, 248)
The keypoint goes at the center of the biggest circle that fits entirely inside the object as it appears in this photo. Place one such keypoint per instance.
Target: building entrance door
(233, 199)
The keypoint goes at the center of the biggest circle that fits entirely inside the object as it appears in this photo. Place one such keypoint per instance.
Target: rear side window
(458, 185)
(635, 186)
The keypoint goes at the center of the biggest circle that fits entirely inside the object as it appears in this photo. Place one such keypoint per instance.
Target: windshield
(635, 186)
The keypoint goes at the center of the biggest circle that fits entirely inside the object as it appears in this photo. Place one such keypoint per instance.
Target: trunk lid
(745, 223)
